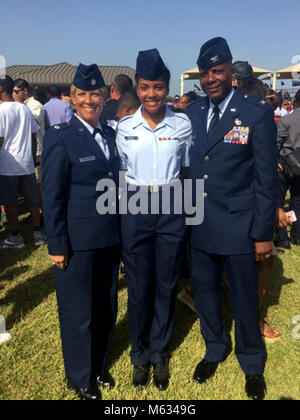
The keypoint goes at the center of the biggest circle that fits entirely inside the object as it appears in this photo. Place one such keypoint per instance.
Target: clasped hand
(61, 261)
(263, 250)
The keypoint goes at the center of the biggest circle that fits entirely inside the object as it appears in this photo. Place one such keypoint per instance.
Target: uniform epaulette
(57, 128)
(197, 102)
(256, 101)
(128, 117)
(181, 115)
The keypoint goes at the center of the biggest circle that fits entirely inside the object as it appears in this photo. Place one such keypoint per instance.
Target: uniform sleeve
(185, 162)
(264, 146)
(121, 146)
(56, 181)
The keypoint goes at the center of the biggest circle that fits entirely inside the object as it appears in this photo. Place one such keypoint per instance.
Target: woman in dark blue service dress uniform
(83, 245)
(153, 147)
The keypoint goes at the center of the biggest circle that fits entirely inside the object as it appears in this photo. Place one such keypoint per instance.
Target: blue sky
(111, 32)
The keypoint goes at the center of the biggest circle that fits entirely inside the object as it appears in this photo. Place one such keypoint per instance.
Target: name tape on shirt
(238, 135)
(131, 138)
(87, 159)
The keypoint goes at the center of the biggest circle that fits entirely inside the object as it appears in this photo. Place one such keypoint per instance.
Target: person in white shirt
(17, 172)
(21, 93)
(283, 110)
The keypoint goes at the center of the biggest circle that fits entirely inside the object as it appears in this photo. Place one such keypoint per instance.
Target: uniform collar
(88, 126)
(138, 118)
(223, 105)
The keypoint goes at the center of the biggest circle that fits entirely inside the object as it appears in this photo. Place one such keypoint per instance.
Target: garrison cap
(88, 77)
(243, 70)
(149, 65)
(214, 52)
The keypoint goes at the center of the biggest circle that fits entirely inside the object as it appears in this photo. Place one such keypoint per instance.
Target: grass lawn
(31, 365)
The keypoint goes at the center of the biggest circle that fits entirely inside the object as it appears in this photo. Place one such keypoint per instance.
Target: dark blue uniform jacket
(239, 168)
(73, 163)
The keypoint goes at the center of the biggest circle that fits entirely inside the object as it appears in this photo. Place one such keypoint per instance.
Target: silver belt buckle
(153, 188)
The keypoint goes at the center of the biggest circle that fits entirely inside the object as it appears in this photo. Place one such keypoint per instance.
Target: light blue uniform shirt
(154, 157)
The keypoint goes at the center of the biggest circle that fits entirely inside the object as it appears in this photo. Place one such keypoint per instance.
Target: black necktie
(98, 130)
(103, 145)
(214, 121)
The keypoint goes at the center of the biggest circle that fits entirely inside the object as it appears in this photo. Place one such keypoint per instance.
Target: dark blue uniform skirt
(153, 252)
(87, 307)
(242, 278)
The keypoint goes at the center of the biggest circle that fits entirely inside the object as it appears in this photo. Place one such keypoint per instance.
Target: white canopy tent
(292, 72)
(193, 74)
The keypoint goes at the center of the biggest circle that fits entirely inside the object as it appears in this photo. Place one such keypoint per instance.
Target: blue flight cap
(88, 77)
(149, 65)
(214, 52)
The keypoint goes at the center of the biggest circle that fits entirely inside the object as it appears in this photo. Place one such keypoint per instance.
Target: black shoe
(141, 375)
(204, 371)
(91, 393)
(105, 380)
(256, 387)
(161, 375)
(283, 244)
(295, 241)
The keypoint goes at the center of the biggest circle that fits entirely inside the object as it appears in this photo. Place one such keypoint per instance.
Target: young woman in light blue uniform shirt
(153, 145)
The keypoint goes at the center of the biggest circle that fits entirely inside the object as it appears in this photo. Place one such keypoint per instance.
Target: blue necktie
(214, 121)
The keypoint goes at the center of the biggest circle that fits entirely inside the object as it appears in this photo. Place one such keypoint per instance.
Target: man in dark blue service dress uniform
(83, 245)
(234, 151)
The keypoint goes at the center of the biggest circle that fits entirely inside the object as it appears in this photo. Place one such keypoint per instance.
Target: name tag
(131, 138)
(238, 135)
(168, 138)
(87, 159)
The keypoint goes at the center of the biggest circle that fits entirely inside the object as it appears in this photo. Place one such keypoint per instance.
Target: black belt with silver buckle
(148, 188)
(154, 188)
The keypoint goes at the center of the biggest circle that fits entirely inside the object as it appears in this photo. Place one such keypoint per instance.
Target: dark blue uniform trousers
(87, 307)
(153, 252)
(242, 278)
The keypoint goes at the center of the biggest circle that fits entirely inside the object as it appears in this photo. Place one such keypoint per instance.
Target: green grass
(31, 365)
